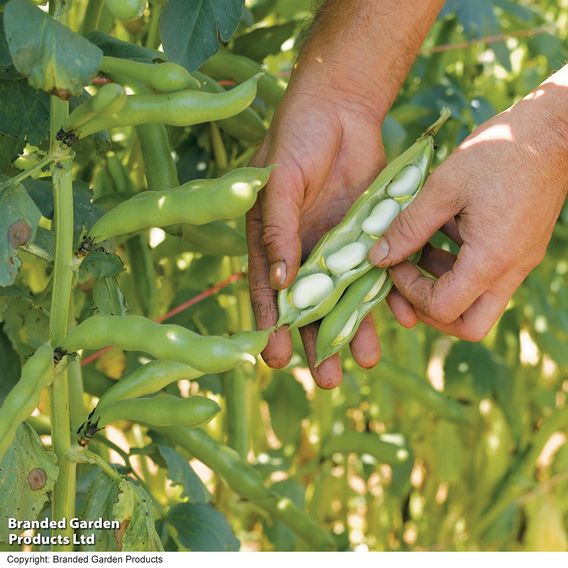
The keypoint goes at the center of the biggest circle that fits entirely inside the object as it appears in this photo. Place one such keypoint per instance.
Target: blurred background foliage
(480, 459)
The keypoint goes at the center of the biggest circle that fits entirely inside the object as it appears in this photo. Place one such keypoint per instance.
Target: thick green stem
(238, 383)
(92, 16)
(153, 37)
(63, 500)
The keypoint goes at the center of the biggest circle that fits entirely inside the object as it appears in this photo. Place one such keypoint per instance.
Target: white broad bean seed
(382, 215)
(346, 258)
(311, 290)
(376, 287)
(406, 182)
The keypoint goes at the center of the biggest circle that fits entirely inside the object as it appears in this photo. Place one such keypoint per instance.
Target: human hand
(498, 197)
(327, 145)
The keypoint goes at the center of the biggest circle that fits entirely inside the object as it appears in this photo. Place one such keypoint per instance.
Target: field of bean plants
(131, 384)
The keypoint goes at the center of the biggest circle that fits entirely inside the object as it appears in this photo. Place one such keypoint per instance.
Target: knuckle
(407, 226)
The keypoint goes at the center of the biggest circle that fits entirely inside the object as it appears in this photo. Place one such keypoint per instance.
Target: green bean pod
(169, 342)
(156, 375)
(109, 99)
(161, 410)
(148, 379)
(196, 202)
(247, 125)
(180, 108)
(340, 325)
(340, 257)
(239, 68)
(163, 77)
(37, 373)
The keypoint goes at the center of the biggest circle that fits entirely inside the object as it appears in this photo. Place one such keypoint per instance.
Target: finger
(434, 206)
(328, 374)
(365, 346)
(402, 309)
(263, 297)
(450, 229)
(476, 322)
(281, 218)
(446, 298)
(436, 261)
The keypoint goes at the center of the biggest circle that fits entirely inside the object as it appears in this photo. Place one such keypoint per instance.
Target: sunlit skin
(497, 196)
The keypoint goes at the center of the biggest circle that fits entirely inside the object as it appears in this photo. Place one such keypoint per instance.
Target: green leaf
(25, 112)
(10, 147)
(261, 42)
(134, 511)
(108, 300)
(118, 48)
(181, 473)
(288, 406)
(281, 535)
(201, 528)
(469, 371)
(85, 213)
(99, 265)
(477, 18)
(52, 57)
(11, 366)
(19, 218)
(190, 29)
(27, 476)
(5, 59)
(99, 502)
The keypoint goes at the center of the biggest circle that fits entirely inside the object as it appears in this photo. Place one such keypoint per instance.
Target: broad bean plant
(132, 384)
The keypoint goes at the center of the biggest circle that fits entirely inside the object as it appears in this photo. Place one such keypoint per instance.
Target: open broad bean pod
(340, 257)
(339, 327)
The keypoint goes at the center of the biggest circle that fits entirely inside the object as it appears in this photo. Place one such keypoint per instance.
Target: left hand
(498, 196)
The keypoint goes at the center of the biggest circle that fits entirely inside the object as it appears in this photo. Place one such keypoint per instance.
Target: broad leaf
(19, 218)
(51, 56)
(201, 528)
(288, 406)
(127, 503)
(27, 476)
(25, 112)
(190, 29)
(281, 535)
(260, 42)
(118, 48)
(134, 511)
(11, 366)
(181, 473)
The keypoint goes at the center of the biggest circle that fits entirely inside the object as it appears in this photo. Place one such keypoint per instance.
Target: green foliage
(439, 447)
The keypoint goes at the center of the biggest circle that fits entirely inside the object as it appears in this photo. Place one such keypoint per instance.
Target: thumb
(280, 202)
(435, 204)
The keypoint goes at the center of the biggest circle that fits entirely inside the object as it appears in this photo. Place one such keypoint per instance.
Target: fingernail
(380, 252)
(277, 274)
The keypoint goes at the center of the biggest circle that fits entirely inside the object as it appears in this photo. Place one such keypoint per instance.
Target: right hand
(326, 142)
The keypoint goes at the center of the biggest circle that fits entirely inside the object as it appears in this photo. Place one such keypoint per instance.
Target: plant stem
(153, 37)
(92, 16)
(63, 499)
(237, 384)
(27, 173)
(86, 456)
